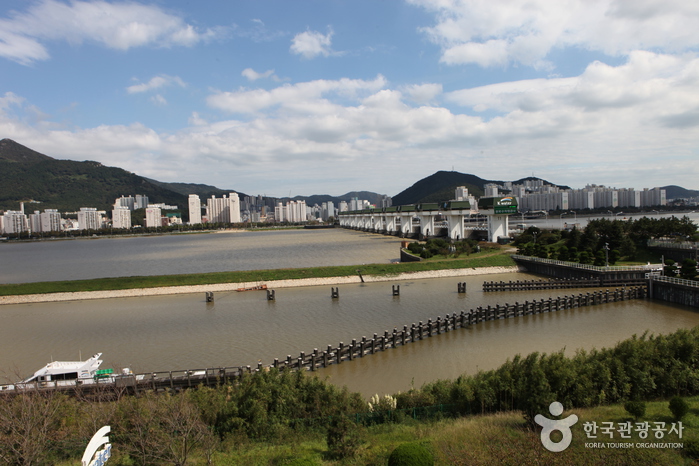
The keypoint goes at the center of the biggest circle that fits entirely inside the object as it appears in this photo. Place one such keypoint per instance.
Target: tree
(689, 269)
(635, 408)
(678, 407)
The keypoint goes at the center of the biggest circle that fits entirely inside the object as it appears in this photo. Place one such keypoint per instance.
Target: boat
(253, 288)
(69, 373)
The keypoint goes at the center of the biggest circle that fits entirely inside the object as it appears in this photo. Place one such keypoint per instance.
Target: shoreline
(139, 292)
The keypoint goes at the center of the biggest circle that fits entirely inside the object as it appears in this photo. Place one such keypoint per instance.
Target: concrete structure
(434, 219)
(121, 217)
(128, 202)
(89, 219)
(194, 204)
(223, 209)
(50, 220)
(141, 201)
(15, 222)
(154, 217)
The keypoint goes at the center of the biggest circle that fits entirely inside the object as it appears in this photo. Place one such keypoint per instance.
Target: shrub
(678, 407)
(411, 454)
(691, 448)
(635, 408)
(343, 438)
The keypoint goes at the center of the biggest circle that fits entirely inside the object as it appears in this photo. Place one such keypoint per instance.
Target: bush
(635, 408)
(678, 407)
(343, 438)
(411, 454)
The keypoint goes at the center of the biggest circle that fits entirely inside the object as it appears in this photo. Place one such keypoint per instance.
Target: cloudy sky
(327, 96)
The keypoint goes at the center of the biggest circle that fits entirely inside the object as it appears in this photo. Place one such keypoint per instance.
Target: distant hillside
(67, 185)
(677, 192)
(202, 190)
(10, 151)
(373, 198)
(441, 185)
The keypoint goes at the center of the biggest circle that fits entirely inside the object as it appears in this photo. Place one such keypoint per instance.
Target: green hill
(67, 185)
(441, 185)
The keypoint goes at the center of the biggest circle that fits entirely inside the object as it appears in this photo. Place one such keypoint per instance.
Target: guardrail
(594, 268)
(672, 244)
(677, 281)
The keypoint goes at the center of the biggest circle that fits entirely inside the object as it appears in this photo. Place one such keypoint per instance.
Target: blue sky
(311, 97)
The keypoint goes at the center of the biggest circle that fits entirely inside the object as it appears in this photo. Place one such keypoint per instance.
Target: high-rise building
(121, 217)
(224, 209)
(50, 220)
(141, 201)
(89, 219)
(194, 209)
(14, 222)
(154, 217)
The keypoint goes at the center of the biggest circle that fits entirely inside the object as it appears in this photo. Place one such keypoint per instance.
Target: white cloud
(493, 34)
(196, 120)
(310, 44)
(159, 100)
(611, 125)
(301, 97)
(120, 26)
(253, 75)
(156, 82)
(422, 93)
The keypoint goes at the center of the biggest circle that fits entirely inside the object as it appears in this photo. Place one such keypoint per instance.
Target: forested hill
(67, 185)
(440, 187)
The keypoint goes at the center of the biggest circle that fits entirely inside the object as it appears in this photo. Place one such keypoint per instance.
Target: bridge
(452, 219)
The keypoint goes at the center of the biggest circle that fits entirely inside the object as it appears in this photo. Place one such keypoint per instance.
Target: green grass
(501, 438)
(500, 258)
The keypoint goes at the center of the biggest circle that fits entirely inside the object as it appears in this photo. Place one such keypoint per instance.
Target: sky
(279, 98)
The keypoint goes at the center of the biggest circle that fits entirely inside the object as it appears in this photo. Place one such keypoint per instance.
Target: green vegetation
(605, 240)
(491, 258)
(275, 417)
(441, 248)
(411, 454)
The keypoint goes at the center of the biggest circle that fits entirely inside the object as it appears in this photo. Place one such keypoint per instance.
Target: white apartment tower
(153, 217)
(50, 220)
(89, 219)
(194, 209)
(224, 209)
(121, 217)
(15, 221)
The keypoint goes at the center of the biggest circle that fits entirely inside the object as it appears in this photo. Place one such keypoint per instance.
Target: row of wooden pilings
(527, 285)
(416, 332)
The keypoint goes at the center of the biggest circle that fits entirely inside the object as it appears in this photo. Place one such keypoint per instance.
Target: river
(184, 332)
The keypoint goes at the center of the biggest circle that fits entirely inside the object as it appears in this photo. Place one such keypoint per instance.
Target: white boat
(69, 373)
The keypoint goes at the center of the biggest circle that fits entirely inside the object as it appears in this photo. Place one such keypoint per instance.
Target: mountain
(373, 198)
(202, 190)
(677, 192)
(67, 185)
(441, 185)
(10, 151)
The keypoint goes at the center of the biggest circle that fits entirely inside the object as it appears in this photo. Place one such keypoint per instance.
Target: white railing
(595, 268)
(677, 281)
(672, 244)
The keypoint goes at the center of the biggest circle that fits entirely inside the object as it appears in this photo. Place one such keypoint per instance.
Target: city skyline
(282, 98)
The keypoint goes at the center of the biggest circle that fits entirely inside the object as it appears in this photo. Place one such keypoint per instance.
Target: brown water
(184, 332)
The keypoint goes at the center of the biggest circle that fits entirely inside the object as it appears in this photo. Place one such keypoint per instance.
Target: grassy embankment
(486, 258)
(501, 438)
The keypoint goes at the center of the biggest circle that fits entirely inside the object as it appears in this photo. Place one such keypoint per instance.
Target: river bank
(170, 290)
